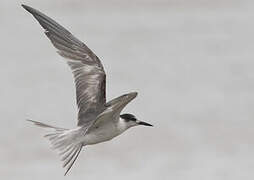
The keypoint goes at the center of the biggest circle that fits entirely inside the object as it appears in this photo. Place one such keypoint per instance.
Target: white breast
(105, 131)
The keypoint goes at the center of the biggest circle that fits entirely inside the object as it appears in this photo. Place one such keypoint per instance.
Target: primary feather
(88, 72)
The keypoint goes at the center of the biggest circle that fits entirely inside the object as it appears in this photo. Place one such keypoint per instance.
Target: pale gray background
(191, 61)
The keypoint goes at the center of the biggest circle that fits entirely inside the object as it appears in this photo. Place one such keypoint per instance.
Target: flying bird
(98, 120)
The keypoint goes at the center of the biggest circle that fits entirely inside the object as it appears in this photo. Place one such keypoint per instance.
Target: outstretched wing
(113, 109)
(89, 75)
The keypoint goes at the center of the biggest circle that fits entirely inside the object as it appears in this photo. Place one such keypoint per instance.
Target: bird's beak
(144, 123)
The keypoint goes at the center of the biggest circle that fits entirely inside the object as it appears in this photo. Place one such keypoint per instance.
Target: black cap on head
(128, 117)
(131, 117)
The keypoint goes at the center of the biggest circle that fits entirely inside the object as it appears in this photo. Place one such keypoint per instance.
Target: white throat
(122, 125)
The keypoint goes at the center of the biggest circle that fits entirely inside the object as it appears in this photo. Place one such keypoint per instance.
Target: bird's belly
(101, 134)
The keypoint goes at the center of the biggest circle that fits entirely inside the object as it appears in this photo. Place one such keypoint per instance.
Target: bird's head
(131, 120)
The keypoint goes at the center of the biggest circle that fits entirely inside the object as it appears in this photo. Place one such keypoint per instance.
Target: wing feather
(88, 72)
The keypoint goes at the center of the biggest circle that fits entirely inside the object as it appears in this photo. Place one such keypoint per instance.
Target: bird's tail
(65, 141)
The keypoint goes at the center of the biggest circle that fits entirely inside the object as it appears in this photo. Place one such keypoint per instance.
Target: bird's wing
(89, 74)
(113, 109)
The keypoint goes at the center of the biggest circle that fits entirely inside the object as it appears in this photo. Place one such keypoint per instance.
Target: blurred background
(192, 62)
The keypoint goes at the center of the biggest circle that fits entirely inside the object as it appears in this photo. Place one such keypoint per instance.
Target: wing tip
(33, 11)
(28, 8)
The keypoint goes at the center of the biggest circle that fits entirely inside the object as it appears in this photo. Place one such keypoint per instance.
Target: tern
(98, 120)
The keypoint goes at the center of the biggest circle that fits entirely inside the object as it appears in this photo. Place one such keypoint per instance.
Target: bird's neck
(122, 125)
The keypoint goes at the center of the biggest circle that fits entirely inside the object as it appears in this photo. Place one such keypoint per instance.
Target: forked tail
(65, 141)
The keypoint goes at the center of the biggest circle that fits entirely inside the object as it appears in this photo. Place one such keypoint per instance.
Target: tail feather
(73, 159)
(65, 141)
(70, 156)
(45, 125)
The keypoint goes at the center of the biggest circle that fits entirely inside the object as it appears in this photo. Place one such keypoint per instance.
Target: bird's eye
(133, 119)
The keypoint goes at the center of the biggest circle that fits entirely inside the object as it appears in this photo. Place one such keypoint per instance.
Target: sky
(190, 61)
